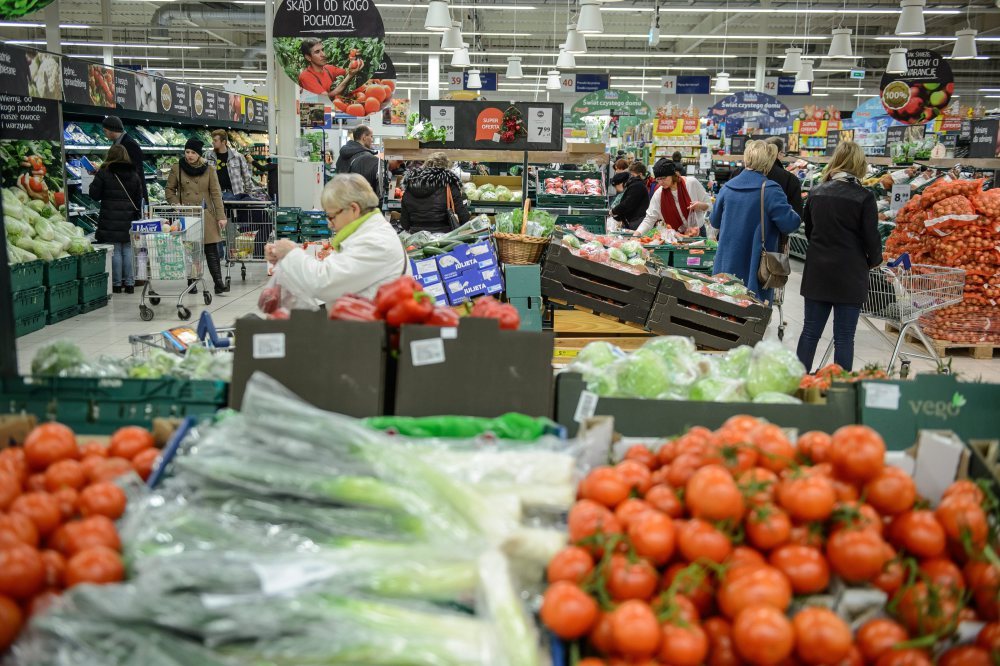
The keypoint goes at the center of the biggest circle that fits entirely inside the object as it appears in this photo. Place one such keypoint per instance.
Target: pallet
(977, 350)
(602, 315)
(567, 349)
(577, 324)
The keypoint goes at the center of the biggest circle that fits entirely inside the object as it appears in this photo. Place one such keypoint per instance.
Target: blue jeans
(845, 323)
(122, 267)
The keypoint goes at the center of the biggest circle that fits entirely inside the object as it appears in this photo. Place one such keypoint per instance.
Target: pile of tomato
(693, 554)
(823, 378)
(58, 504)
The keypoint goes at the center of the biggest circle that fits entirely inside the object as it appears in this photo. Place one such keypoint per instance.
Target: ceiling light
(590, 21)
(575, 42)
(552, 81)
(438, 19)
(452, 39)
(722, 82)
(965, 45)
(654, 34)
(460, 58)
(897, 61)
(514, 68)
(565, 60)
(911, 19)
(801, 87)
(840, 46)
(793, 61)
(473, 82)
(806, 74)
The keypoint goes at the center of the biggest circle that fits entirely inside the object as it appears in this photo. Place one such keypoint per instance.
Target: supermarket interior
(499, 333)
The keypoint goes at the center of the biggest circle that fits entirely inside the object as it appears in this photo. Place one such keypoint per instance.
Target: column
(53, 40)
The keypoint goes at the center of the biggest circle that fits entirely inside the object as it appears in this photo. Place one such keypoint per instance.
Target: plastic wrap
(714, 388)
(516, 636)
(275, 297)
(773, 368)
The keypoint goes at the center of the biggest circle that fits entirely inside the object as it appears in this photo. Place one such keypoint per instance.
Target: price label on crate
(539, 124)
(899, 196)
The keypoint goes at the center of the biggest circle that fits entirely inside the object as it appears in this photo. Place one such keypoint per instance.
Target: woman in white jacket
(367, 253)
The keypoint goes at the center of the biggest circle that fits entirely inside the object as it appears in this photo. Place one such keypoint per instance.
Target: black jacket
(789, 184)
(425, 203)
(135, 154)
(841, 222)
(355, 158)
(631, 210)
(119, 202)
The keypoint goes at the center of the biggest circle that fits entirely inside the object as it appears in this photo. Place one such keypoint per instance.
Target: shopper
(367, 252)
(230, 167)
(319, 76)
(114, 130)
(357, 156)
(788, 181)
(119, 190)
(679, 203)
(431, 194)
(678, 161)
(268, 167)
(631, 208)
(737, 216)
(621, 166)
(192, 183)
(841, 222)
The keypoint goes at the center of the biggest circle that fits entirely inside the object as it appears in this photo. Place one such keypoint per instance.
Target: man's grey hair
(345, 189)
(777, 142)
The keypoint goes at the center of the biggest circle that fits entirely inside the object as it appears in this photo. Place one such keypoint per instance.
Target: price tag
(705, 161)
(269, 345)
(539, 124)
(427, 352)
(882, 396)
(900, 196)
(586, 407)
(444, 116)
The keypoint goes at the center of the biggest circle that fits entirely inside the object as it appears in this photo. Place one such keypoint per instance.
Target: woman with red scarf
(680, 202)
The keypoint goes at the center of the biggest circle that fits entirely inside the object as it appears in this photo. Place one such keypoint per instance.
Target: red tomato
(67, 498)
(758, 485)
(652, 536)
(925, 609)
(822, 637)
(604, 485)
(965, 487)
(856, 555)
(759, 585)
(807, 498)
(691, 581)
(989, 637)
(711, 494)
(891, 492)
(962, 517)
(768, 527)
(65, 474)
(390, 84)
(805, 568)
(814, 446)
(41, 508)
(16, 529)
(83, 534)
(697, 539)
(878, 636)
(663, 497)
(55, 568)
(602, 636)
(22, 572)
(10, 488)
(984, 580)
(775, 451)
(631, 580)
(635, 629)
(635, 475)
(49, 443)
(377, 93)
(907, 657)
(572, 563)
(857, 453)
(355, 110)
(966, 655)
(145, 462)
(103, 498)
(721, 651)
(763, 635)
(588, 518)
(942, 572)
(918, 532)
(98, 565)
(372, 105)
(110, 469)
(685, 645)
(130, 440)
(642, 454)
(10, 622)
(93, 449)
(567, 610)
(629, 509)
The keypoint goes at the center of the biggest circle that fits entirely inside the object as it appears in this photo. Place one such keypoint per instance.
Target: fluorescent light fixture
(722, 82)
(897, 61)
(565, 60)
(438, 18)
(654, 35)
(460, 58)
(911, 18)
(62, 26)
(552, 81)
(452, 39)
(590, 21)
(506, 8)
(603, 56)
(965, 45)
(801, 86)
(793, 61)
(474, 82)
(772, 10)
(575, 42)
(101, 45)
(840, 46)
(806, 73)
(514, 68)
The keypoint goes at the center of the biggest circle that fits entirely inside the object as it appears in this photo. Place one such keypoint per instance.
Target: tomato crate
(93, 287)
(28, 302)
(95, 304)
(661, 252)
(92, 263)
(54, 317)
(60, 271)
(692, 258)
(592, 223)
(28, 275)
(62, 296)
(29, 323)
(287, 215)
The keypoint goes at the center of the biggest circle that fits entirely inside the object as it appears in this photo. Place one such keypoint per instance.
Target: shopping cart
(169, 246)
(179, 340)
(778, 301)
(899, 293)
(249, 227)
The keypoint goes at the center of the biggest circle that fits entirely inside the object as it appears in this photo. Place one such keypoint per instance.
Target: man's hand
(689, 233)
(698, 206)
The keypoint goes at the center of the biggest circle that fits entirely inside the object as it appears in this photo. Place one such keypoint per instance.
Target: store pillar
(53, 40)
(286, 127)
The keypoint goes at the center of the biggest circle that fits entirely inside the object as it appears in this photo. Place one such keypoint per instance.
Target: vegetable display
(425, 244)
(36, 228)
(739, 546)
(64, 359)
(541, 223)
(487, 192)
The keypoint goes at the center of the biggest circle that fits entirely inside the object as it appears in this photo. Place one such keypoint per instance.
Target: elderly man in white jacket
(367, 253)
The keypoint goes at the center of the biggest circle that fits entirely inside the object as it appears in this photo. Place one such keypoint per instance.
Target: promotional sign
(764, 110)
(486, 125)
(923, 92)
(896, 134)
(397, 113)
(31, 130)
(738, 142)
(984, 137)
(587, 83)
(203, 101)
(870, 108)
(44, 77)
(965, 132)
(254, 111)
(675, 126)
(173, 98)
(613, 101)
(685, 85)
(334, 50)
(88, 83)
(13, 74)
(27, 118)
(125, 89)
(900, 196)
(146, 92)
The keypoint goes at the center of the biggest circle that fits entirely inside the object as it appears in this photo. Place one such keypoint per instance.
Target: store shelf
(149, 149)
(515, 156)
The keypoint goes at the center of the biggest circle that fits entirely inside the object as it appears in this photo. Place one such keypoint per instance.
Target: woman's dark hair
(116, 155)
(307, 46)
(638, 168)
(676, 157)
(621, 165)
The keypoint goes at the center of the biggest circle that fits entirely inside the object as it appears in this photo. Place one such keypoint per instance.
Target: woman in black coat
(425, 198)
(117, 186)
(841, 222)
(631, 210)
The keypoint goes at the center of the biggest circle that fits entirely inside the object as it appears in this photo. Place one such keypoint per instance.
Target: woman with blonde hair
(841, 221)
(750, 208)
(432, 198)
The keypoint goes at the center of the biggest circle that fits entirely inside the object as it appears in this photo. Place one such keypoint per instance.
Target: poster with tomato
(335, 52)
(923, 92)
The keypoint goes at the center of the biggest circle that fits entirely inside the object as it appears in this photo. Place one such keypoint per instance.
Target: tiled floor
(106, 331)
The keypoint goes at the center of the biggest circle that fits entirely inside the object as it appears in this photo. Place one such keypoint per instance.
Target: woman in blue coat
(737, 217)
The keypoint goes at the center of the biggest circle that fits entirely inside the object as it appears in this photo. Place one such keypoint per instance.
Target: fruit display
(740, 546)
(559, 185)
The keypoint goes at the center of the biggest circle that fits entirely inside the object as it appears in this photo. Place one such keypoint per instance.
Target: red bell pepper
(270, 299)
(392, 293)
(353, 308)
(443, 317)
(414, 310)
(510, 318)
(488, 307)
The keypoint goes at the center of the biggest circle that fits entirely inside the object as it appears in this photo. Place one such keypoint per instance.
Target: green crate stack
(27, 275)
(564, 200)
(93, 292)
(62, 298)
(28, 296)
(592, 223)
(286, 223)
(523, 285)
(313, 225)
(661, 252)
(92, 263)
(60, 271)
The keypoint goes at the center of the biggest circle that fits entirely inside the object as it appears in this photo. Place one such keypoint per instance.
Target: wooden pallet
(567, 349)
(976, 350)
(637, 329)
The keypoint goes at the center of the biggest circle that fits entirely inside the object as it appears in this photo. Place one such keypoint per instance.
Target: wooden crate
(711, 322)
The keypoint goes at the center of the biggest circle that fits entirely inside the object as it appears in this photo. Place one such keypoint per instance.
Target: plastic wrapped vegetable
(617, 254)
(774, 369)
(571, 241)
(56, 357)
(777, 398)
(680, 356)
(632, 248)
(644, 374)
(735, 363)
(16, 227)
(12, 206)
(43, 228)
(505, 222)
(598, 354)
(714, 388)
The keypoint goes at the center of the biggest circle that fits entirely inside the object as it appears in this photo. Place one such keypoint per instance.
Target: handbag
(774, 267)
(453, 220)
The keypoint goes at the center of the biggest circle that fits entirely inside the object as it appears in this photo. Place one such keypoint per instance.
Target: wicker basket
(520, 249)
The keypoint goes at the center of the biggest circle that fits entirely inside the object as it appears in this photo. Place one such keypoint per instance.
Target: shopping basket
(169, 246)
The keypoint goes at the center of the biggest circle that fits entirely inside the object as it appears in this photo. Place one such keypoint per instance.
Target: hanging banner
(173, 98)
(44, 76)
(145, 92)
(31, 132)
(587, 83)
(490, 126)
(985, 137)
(923, 92)
(125, 94)
(745, 106)
(26, 118)
(685, 85)
(334, 50)
(610, 102)
(810, 127)
(203, 102)
(13, 71)
(870, 108)
(89, 84)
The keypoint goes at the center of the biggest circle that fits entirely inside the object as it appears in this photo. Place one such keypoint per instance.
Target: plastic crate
(64, 314)
(62, 296)
(662, 252)
(60, 271)
(692, 258)
(93, 287)
(27, 275)
(92, 263)
(595, 224)
(28, 302)
(29, 323)
(797, 245)
(95, 304)
(287, 214)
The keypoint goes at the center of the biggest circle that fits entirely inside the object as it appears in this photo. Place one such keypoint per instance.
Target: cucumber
(431, 250)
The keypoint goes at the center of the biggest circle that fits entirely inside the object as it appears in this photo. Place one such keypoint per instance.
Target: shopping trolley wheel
(904, 369)
(155, 300)
(183, 313)
(243, 272)
(229, 282)
(145, 313)
(208, 298)
(781, 332)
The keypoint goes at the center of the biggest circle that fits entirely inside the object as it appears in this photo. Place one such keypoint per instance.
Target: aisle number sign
(900, 196)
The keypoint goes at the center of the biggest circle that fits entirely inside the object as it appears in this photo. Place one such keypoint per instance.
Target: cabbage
(487, 195)
(680, 356)
(774, 369)
(714, 388)
(515, 196)
(777, 398)
(572, 241)
(644, 374)
(16, 227)
(468, 187)
(502, 189)
(632, 248)
(503, 196)
(617, 254)
(12, 206)
(735, 363)
(598, 354)
(78, 246)
(603, 382)
(44, 229)
(473, 194)
(486, 187)
(56, 357)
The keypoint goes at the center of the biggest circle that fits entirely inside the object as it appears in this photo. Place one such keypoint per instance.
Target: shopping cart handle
(903, 259)
(206, 328)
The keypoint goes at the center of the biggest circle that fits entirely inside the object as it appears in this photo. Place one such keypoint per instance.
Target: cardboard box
(473, 370)
(464, 287)
(339, 366)
(437, 291)
(424, 267)
(492, 280)
(426, 278)
(576, 147)
(400, 144)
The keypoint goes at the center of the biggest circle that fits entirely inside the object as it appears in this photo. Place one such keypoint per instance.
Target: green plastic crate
(692, 258)
(288, 214)
(661, 252)
(29, 323)
(62, 296)
(64, 314)
(523, 281)
(92, 263)
(27, 275)
(60, 271)
(93, 287)
(95, 304)
(28, 302)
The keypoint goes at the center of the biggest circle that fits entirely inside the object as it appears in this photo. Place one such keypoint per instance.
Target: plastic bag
(715, 388)
(774, 368)
(277, 301)
(680, 355)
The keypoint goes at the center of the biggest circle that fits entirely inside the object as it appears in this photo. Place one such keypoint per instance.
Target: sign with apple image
(923, 92)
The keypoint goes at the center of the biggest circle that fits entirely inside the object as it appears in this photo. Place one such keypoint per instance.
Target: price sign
(444, 116)
(900, 196)
(705, 161)
(539, 124)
